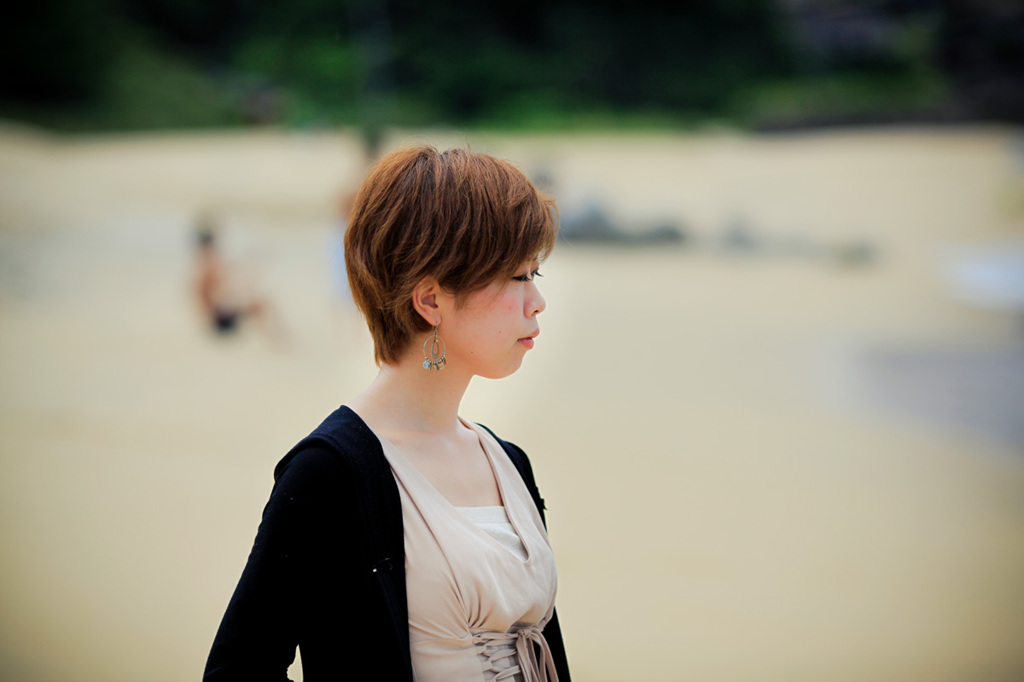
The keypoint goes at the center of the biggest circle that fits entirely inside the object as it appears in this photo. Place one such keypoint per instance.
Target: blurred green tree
(103, 63)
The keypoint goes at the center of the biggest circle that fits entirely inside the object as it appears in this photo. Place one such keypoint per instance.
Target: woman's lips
(527, 341)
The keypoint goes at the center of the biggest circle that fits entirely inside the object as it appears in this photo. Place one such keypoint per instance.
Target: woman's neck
(406, 398)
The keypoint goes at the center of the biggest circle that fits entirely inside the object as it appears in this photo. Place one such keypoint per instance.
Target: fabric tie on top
(520, 643)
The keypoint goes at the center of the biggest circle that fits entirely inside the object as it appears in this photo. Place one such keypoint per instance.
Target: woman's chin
(501, 372)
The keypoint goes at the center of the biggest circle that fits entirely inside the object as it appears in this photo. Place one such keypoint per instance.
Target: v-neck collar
(488, 445)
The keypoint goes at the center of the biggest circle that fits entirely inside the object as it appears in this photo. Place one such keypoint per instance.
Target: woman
(402, 542)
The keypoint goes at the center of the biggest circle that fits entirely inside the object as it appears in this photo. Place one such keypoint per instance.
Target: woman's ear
(425, 297)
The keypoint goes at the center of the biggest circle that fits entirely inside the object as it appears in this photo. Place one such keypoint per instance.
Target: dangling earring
(434, 358)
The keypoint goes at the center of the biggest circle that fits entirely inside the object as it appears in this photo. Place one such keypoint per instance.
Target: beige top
(475, 608)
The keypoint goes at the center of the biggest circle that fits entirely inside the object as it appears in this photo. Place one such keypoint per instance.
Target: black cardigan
(327, 570)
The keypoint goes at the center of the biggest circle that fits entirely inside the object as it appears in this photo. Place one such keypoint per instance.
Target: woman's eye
(527, 278)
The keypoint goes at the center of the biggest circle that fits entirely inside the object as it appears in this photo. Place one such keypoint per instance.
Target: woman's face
(489, 335)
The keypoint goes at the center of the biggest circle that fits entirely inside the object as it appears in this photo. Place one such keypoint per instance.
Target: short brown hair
(463, 218)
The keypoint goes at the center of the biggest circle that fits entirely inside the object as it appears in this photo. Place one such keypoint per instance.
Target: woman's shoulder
(342, 443)
(522, 464)
(514, 452)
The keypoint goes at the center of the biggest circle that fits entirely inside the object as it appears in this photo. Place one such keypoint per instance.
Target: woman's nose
(537, 303)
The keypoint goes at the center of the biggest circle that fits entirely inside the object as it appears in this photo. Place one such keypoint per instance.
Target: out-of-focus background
(777, 406)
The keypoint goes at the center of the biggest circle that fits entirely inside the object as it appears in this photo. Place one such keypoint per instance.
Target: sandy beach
(763, 462)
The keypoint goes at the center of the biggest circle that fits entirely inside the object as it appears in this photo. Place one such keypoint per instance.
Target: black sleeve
(552, 631)
(260, 631)
(553, 634)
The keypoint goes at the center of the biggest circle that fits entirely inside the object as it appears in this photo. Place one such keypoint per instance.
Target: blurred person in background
(402, 541)
(224, 298)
